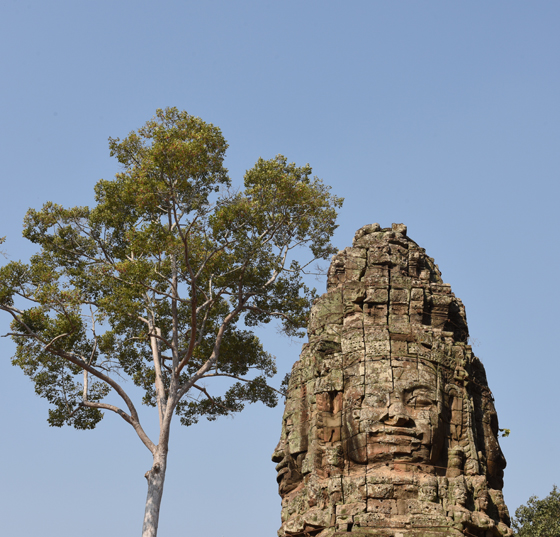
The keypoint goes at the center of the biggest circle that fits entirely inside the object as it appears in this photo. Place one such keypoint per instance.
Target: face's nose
(279, 454)
(397, 416)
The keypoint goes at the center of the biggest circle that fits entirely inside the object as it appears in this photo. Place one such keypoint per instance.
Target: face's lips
(281, 473)
(282, 464)
(387, 432)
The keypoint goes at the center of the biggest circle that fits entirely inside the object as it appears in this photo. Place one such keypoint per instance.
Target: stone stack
(389, 427)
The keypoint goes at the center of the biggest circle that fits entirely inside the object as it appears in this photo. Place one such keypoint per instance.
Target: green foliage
(159, 280)
(539, 518)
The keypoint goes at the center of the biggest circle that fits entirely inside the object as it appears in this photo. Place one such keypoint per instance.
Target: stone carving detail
(389, 427)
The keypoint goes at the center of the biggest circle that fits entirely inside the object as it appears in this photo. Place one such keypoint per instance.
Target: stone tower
(389, 428)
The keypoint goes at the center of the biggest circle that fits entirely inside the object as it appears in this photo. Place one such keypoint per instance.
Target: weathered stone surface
(390, 427)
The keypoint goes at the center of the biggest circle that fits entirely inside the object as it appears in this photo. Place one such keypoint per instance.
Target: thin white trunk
(156, 478)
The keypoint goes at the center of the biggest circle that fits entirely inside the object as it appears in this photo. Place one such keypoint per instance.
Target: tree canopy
(162, 280)
(539, 518)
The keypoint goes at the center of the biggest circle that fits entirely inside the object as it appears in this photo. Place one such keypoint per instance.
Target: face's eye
(420, 399)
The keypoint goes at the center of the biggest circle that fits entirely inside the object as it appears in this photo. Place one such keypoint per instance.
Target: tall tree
(539, 518)
(160, 281)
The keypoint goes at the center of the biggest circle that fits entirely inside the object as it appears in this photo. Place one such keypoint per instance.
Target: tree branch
(80, 362)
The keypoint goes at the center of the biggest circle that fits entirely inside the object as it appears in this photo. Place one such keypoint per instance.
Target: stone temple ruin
(389, 428)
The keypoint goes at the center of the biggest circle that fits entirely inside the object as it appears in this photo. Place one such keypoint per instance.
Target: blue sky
(442, 115)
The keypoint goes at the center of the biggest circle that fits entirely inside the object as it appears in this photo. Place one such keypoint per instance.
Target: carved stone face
(292, 448)
(288, 468)
(482, 501)
(398, 417)
(389, 422)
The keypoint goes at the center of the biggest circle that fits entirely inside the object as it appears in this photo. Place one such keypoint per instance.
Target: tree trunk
(156, 478)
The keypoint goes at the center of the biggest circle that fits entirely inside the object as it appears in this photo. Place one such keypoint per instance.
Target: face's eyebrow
(412, 386)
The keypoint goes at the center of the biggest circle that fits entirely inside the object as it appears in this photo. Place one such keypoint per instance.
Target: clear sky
(442, 115)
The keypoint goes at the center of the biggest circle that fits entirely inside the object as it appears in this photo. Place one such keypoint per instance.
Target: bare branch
(46, 348)
(214, 402)
(160, 388)
(228, 375)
